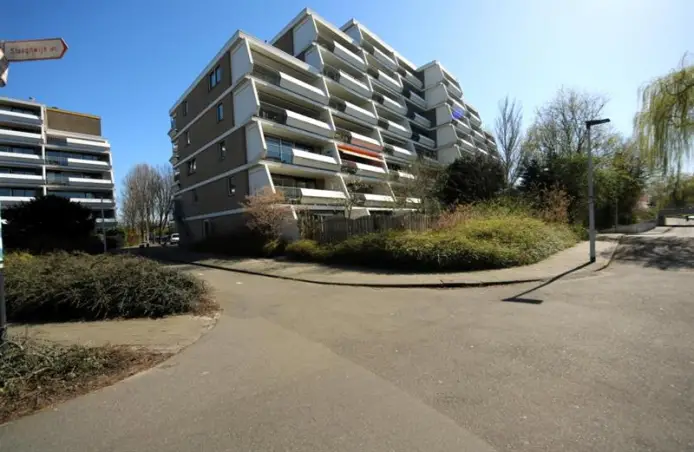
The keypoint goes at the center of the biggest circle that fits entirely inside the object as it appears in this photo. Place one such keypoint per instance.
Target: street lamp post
(591, 194)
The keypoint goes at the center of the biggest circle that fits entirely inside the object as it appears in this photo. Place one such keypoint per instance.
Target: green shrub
(62, 286)
(479, 243)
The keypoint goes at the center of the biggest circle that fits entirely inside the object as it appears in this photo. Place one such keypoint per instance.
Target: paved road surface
(598, 363)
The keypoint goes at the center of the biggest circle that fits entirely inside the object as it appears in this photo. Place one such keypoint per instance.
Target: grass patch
(35, 374)
(478, 239)
(64, 287)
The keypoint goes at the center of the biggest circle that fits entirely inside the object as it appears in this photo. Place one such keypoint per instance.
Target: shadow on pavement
(664, 253)
(519, 298)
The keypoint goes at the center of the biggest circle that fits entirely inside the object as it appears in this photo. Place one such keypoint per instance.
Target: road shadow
(520, 298)
(663, 253)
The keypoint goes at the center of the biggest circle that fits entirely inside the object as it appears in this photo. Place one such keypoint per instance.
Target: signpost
(21, 51)
(35, 49)
(29, 50)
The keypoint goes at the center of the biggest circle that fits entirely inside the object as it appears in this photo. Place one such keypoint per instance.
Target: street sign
(4, 69)
(35, 49)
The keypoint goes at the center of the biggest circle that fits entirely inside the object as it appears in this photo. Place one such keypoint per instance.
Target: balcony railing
(291, 194)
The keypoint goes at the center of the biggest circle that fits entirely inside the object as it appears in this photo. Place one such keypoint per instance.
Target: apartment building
(321, 114)
(49, 151)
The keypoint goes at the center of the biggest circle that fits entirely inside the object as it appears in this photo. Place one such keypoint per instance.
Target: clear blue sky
(130, 60)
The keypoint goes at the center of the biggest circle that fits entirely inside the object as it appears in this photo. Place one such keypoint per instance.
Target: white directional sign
(35, 49)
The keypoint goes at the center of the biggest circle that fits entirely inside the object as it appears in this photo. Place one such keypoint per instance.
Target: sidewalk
(168, 334)
(567, 261)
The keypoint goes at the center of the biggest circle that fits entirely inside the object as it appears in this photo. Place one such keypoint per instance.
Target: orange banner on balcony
(359, 151)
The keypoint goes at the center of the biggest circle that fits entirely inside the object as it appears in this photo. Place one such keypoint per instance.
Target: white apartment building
(49, 151)
(310, 113)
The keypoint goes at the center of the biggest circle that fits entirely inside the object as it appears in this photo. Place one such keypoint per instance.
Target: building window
(185, 108)
(220, 112)
(187, 138)
(192, 166)
(215, 77)
(173, 122)
(222, 150)
(231, 188)
(281, 149)
(195, 195)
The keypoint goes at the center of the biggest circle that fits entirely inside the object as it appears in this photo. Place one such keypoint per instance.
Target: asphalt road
(603, 362)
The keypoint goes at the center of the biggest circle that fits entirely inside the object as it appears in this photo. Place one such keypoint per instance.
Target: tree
(48, 223)
(472, 178)
(664, 127)
(164, 188)
(266, 214)
(509, 136)
(423, 185)
(139, 198)
(559, 126)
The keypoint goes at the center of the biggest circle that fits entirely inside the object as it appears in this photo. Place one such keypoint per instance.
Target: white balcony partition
(417, 99)
(246, 102)
(355, 85)
(255, 141)
(393, 83)
(394, 127)
(14, 136)
(364, 141)
(446, 136)
(400, 152)
(421, 120)
(393, 104)
(369, 170)
(304, 34)
(374, 200)
(259, 178)
(385, 59)
(448, 155)
(241, 61)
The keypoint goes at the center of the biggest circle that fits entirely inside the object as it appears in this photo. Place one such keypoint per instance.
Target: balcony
(20, 118)
(373, 200)
(305, 158)
(289, 83)
(397, 151)
(416, 99)
(22, 179)
(396, 128)
(461, 126)
(466, 144)
(7, 201)
(297, 195)
(426, 141)
(61, 179)
(474, 116)
(453, 89)
(18, 157)
(293, 119)
(478, 137)
(419, 119)
(350, 109)
(398, 175)
(388, 102)
(78, 163)
(346, 80)
(392, 83)
(79, 144)
(362, 169)
(342, 53)
(358, 140)
(377, 55)
(95, 203)
(15, 136)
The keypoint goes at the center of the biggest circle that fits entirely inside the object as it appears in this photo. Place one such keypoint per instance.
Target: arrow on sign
(35, 49)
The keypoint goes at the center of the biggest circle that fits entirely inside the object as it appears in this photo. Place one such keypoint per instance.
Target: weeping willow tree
(665, 125)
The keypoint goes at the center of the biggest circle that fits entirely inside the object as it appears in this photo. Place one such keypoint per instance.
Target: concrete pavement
(604, 362)
(574, 259)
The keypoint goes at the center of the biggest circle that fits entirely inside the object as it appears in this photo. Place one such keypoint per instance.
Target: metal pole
(591, 201)
(103, 225)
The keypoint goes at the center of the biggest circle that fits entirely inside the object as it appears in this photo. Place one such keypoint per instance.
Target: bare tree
(164, 189)
(509, 135)
(138, 198)
(559, 126)
(266, 213)
(423, 185)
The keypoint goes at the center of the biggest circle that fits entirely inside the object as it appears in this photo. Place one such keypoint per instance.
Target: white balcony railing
(31, 179)
(297, 195)
(15, 136)
(87, 145)
(11, 200)
(311, 159)
(89, 182)
(347, 81)
(19, 157)
(374, 200)
(19, 118)
(96, 203)
(347, 55)
(82, 163)
(417, 99)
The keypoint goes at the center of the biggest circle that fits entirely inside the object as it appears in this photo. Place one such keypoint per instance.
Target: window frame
(185, 108)
(214, 77)
(187, 137)
(220, 112)
(231, 187)
(222, 148)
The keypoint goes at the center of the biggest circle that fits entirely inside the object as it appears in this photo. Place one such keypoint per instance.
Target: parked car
(174, 238)
(144, 244)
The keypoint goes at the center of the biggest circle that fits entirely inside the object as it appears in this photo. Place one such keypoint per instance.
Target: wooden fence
(338, 228)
